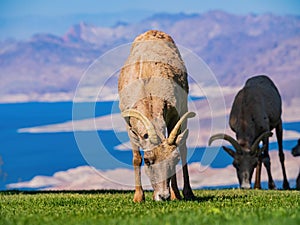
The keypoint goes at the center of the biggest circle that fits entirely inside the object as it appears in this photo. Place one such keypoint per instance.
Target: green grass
(100, 207)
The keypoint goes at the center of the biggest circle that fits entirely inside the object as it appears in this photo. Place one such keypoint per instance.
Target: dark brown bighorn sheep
(153, 91)
(295, 153)
(256, 111)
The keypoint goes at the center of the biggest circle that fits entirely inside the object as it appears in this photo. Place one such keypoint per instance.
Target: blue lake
(25, 155)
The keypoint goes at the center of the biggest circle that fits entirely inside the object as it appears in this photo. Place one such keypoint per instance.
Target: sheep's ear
(182, 137)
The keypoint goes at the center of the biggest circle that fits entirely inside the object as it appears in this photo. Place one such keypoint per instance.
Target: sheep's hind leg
(175, 194)
(285, 185)
(298, 182)
(187, 190)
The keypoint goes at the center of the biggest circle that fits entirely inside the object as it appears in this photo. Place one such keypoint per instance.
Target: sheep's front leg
(258, 173)
(267, 163)
(137, 162)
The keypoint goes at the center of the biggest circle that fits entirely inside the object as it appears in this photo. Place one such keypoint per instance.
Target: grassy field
(116, 207)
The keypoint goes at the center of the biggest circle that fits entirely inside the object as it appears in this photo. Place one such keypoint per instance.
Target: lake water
(25, 155)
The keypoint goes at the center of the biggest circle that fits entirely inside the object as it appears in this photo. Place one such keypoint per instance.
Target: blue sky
(20, 19)
(61, 7)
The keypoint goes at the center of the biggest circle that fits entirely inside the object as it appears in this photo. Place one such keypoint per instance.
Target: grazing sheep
(256, 111)
(295, 153)
(153, 91)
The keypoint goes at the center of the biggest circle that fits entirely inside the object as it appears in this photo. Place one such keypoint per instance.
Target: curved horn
(226, 137)
(146, 122)
(259, 139)
(173, 134)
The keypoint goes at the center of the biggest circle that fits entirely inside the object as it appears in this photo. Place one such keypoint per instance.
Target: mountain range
(235, 47)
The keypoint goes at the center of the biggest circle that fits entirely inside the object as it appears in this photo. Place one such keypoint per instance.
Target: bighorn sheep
(256, 110)
(153, 91)
(296, 152)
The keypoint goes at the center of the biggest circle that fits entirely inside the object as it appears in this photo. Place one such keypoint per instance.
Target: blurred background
(46, 47)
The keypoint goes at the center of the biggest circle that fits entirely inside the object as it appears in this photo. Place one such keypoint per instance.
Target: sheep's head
(296, 149)
(245, 157)
(161, 154)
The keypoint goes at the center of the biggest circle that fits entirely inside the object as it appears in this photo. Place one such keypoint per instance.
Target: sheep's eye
(147, 162)
(146, 136)
(132, 131)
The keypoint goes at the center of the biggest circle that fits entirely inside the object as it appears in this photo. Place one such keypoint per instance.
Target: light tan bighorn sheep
(256, 111)
(153, 91)
(295, 153)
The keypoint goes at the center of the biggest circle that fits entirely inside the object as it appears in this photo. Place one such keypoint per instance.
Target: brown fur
(255, 110)
(153, 81)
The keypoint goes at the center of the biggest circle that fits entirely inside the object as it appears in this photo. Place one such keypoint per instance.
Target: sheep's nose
(164, 197)
(245, 186)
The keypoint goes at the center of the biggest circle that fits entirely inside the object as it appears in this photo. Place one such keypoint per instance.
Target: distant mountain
(234, 46)
(23, 27)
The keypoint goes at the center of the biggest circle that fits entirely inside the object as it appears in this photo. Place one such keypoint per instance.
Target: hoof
(188, 195)
(175, 195)
(139, 197)
(286, 186)
(272, 186)
(258, 187)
